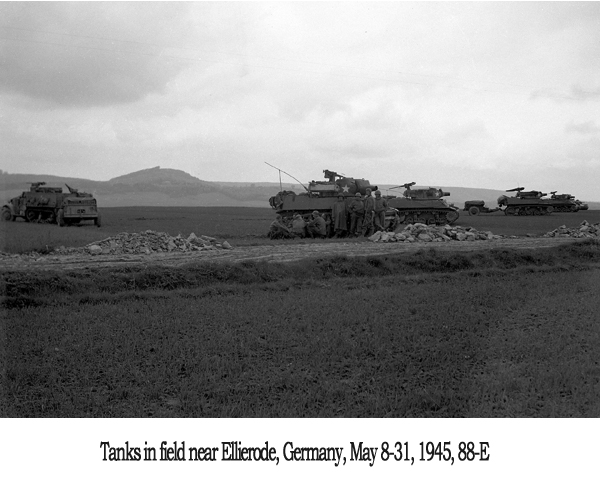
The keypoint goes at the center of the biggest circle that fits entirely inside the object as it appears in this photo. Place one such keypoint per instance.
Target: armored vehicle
(524, 203)
(563, 202)
(423, 205)
(582, 205)
(319, 196)
(475, 207)
(50, 204)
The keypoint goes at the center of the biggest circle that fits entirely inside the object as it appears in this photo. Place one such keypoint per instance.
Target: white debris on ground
(584, 230)
(147, 242)
(419, 232)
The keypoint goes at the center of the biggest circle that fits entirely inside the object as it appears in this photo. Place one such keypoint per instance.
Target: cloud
(584, 95)
(435, 92)
(82, 54)
(585, 128)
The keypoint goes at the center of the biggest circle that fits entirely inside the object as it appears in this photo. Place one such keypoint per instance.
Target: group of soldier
(362, 216)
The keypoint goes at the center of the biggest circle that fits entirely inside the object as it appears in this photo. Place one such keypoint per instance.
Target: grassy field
(240, 226)
(495, 333)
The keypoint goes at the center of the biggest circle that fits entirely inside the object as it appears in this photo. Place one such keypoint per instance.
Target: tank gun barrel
(405, 185)
(519, 189)
(72, 190)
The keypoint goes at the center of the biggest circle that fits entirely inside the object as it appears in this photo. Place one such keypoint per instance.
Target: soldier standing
(339, 213)
(369, 213)
(357, 213)
(381, 205)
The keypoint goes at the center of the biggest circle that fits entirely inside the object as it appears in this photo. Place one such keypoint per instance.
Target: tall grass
(47, 285)
(419, 335)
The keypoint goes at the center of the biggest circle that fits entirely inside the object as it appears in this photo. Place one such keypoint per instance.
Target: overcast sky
(489, 95)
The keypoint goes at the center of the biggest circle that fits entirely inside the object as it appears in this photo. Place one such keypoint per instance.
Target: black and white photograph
(328, 243)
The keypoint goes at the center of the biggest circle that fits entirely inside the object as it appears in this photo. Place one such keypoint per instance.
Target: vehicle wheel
(30, 216)
(60, 217)
(429, 219)
(549, 209)
(98, 221)
(6, 215)
(473, 211)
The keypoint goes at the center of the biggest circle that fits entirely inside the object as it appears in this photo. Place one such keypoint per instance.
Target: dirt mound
(584, 230)
(419, 232)
(147, 242)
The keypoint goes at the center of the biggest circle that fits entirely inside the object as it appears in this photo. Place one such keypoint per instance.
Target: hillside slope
(171, 187)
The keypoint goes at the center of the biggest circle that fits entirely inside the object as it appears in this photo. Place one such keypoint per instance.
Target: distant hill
(171, 187)
(151, 187)
(158, 176)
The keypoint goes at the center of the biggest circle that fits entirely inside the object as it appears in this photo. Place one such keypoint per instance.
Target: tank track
(533, 210)
(428, 216)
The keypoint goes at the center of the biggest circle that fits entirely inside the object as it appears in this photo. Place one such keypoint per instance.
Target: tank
(582, 205)
(320, 196)
(51, 205)
(524, 203)
(564, 202)
(475, 207)
(423, 205)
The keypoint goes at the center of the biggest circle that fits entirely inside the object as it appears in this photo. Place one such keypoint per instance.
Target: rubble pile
(584, 230)
(419, 232)
(148, 242)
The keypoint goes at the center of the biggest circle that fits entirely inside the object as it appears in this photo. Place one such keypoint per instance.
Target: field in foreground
(495, 333)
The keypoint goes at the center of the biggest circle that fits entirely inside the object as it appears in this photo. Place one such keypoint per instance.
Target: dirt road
(271, 253)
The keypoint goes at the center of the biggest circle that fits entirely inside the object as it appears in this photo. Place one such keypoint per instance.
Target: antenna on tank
(282, 171)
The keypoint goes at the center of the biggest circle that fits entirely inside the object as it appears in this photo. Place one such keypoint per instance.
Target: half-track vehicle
(51, 205)
(524, 203)
(423, 205)
(476, 207)
(564, 202)
(319, 196)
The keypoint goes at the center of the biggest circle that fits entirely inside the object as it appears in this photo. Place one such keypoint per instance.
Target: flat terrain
(278, 252)
(246, 231)
(504, 327)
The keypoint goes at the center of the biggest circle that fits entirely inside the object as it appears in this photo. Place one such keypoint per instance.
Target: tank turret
(425, 193)
(423, 205)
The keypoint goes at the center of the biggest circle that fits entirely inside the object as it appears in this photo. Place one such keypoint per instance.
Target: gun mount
(525, 203)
